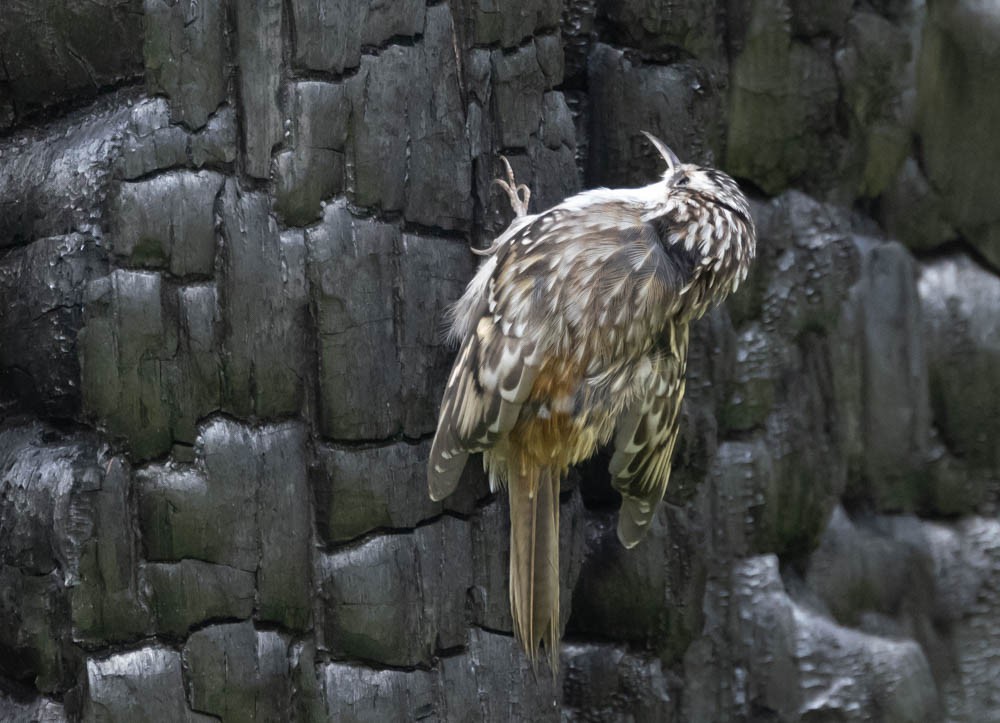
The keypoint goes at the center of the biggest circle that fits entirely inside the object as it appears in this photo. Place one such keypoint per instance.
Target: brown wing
(489, 383)
(563, 268)
(494, 372)
(645, 437)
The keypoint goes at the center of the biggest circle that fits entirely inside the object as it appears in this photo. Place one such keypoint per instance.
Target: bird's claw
(514, 190)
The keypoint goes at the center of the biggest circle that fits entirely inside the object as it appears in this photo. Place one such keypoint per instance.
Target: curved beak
(668, 155)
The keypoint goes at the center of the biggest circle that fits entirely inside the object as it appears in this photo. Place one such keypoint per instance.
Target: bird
(572, 335)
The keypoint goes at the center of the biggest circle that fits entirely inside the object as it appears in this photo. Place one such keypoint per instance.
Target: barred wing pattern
(574, 332)
(491, 380)
(645, 438)
(592, 286)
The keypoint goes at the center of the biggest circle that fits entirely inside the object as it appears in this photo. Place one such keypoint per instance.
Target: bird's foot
(514, 191)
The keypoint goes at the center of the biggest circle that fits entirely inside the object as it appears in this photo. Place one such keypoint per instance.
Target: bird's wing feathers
(645, 436)
(492, 377)
(551, 273)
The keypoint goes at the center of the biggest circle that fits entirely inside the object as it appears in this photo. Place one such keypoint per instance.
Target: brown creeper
(573, 334)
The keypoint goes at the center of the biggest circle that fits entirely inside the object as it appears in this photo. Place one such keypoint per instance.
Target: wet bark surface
(229, 232)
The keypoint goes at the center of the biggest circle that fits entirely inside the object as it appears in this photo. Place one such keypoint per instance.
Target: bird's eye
(683, 181)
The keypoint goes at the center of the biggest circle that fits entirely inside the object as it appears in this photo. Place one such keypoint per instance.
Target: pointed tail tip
(554, 662)
(534, 563)
(551, 656)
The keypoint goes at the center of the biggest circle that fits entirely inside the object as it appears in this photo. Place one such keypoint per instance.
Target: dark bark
(229, 232)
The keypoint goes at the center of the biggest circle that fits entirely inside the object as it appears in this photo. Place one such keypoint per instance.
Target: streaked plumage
(574, 333)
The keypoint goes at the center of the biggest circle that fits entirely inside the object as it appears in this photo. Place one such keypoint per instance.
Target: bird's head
(708, 184)
(703, 211)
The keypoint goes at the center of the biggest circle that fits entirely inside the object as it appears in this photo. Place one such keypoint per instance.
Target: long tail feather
(534, 560)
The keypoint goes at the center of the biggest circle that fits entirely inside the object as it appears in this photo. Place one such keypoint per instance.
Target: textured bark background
(228, 231)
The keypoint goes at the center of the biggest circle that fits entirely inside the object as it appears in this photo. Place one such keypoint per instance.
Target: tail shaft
(534, 560)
